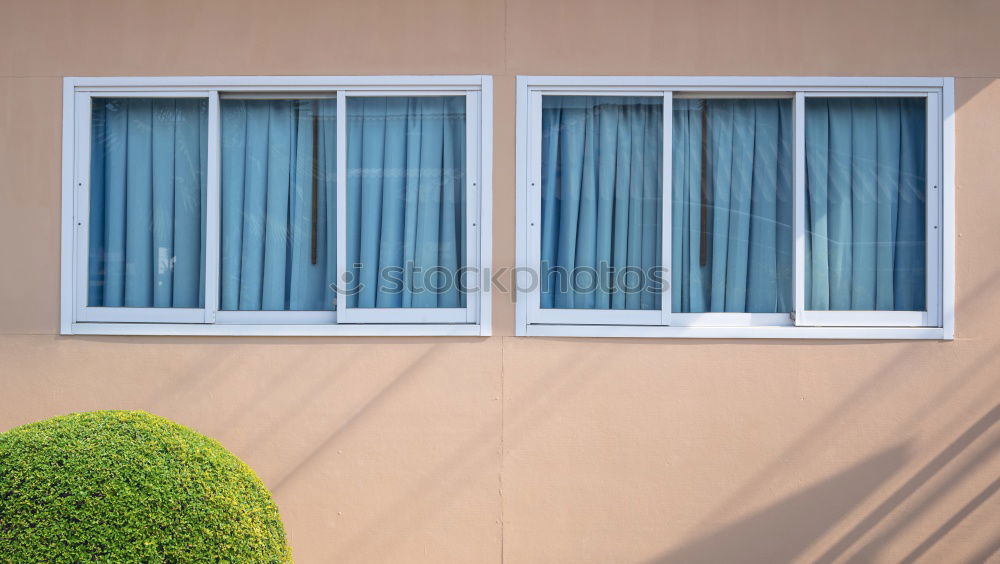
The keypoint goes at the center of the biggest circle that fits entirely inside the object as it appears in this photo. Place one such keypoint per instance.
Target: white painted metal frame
(83, 311)
(936, 323)
(76, 318)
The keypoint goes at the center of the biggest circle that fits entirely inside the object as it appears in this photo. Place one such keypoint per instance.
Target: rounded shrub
(127, 486)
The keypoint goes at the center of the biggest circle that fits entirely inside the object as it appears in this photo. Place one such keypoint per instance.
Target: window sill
(775, 332)
(233, 330)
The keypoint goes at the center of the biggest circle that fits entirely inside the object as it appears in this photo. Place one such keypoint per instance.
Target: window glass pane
(406, 202)
(602, 190)
(732, 209)
(865, 203)
(147, 202)
(278, 244)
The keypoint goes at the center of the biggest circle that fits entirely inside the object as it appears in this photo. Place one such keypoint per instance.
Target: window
(276, 205)
(866, 200)
(735, 207)
(731, 242)
(601, 208)
(146, 236)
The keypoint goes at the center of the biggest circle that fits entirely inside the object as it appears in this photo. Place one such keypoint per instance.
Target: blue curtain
(278, 205)
(732, 208)
(866, 198)
(406, 201)
(147, 203)
(602, 190)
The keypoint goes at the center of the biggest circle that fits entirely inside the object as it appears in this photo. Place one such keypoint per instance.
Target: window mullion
(213, 211)
(341, 203)
(799, 204)
(666, 302)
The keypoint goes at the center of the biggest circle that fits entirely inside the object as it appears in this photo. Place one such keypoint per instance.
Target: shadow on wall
(796, 520)
(784, 530)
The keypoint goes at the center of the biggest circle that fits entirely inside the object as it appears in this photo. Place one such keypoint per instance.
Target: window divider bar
(666, 245)
(341, 204)
(213, 212)
(485, 210)
(799, 205)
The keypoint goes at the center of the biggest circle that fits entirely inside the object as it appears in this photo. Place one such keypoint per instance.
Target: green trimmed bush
(127, 486)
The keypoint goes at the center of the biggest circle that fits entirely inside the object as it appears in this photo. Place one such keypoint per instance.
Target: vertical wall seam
(500, 472)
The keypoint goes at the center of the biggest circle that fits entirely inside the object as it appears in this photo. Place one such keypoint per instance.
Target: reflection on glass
(732, 207)
(865, 203)
(279, 197)
(406, 216)
(147, 202)
(602, 190)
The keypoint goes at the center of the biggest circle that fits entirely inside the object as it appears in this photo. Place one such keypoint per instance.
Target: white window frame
(929, 318)
(76, 318)
(83, 312)
(936, 323)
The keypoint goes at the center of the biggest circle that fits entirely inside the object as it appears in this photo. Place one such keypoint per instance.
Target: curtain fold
(866, 204)
(732, 206)
(147, 204)
(406, 201)
(278, 243)
(602, 163)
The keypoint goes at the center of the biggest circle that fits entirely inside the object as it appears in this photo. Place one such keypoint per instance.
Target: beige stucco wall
(539, 450)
